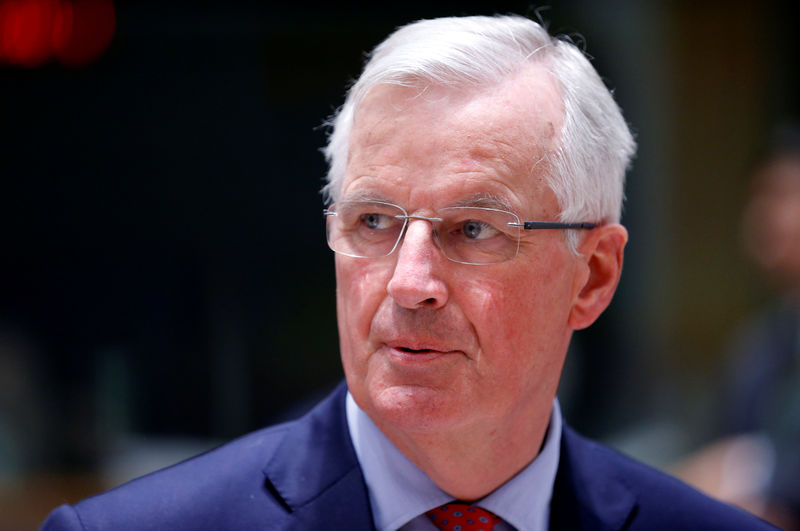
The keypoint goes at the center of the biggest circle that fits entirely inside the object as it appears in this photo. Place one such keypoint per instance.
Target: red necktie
(462, 517)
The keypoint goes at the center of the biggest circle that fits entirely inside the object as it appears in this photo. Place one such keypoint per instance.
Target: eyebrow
(365, 195)
(482, 200)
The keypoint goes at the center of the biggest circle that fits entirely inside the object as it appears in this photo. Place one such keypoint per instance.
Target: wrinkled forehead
(515, 122)
(532, 93)
(457, 142)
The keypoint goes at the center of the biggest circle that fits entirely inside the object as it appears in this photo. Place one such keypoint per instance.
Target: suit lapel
(316, 473)
(587, 494)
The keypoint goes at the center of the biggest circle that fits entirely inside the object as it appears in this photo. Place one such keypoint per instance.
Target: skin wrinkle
(496, 154)
(479, 291)
(500, 152)
(487, 172)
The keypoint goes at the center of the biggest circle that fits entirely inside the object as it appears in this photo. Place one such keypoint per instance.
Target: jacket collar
(588, 493)
(315, 472)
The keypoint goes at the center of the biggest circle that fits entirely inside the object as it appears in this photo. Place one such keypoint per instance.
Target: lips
(419, 334)
(417, 352)
(414, 350)
(418, 344)
(414, 345)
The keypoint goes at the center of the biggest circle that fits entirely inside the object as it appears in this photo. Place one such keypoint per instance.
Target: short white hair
(594, 147)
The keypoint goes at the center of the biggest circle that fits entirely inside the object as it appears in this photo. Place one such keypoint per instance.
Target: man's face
(429, 344)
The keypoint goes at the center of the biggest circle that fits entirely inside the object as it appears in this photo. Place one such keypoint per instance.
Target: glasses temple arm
(532, 225)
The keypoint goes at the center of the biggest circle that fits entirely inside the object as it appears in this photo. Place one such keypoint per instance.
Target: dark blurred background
(164, 280)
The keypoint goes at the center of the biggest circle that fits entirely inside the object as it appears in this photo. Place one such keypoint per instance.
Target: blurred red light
(25, 31)
(92, 27)
(75, 32)
(62, 26)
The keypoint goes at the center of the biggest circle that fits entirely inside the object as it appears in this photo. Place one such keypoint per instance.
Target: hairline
(424, 83)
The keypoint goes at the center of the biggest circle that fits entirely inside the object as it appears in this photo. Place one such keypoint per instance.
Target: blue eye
(373, 220)
(476, 230)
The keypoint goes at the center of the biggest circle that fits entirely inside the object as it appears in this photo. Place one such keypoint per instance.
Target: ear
(601, 256)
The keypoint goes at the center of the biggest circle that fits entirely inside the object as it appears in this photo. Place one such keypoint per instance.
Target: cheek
(492, 307)
(522, 316)
(360, 288)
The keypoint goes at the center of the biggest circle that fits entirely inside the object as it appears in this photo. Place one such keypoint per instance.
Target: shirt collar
(399, 491)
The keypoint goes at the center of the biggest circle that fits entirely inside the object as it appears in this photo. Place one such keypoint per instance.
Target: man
(475, 187)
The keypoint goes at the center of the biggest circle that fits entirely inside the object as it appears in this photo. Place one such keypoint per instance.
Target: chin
(412, 408)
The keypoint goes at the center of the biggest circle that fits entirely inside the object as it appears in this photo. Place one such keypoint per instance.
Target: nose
(416, 281)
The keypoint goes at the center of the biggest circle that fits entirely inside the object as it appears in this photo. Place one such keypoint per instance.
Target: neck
(469, 467)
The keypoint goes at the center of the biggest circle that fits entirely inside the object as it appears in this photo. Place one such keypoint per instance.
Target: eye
(477, 230)
(373, 220)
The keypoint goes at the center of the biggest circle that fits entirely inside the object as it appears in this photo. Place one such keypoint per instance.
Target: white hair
(594, 148)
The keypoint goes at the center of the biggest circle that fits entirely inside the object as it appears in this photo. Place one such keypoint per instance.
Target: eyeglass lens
(471, 235)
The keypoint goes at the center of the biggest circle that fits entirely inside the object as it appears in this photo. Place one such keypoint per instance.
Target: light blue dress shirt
(400, 493)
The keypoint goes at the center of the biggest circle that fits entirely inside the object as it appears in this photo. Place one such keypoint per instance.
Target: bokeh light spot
(75, 32)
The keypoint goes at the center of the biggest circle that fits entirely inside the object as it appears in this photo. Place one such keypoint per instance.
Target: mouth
(416, 350)
(417, 353)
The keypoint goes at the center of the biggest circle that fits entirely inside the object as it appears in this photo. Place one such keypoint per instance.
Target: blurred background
(164, 279)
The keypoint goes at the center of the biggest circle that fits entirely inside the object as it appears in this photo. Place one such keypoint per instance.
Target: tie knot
(462, 517)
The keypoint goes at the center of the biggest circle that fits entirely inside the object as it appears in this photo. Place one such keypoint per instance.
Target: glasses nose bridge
(407, 219)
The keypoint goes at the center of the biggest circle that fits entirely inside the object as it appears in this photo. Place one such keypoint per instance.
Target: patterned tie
(462, 517)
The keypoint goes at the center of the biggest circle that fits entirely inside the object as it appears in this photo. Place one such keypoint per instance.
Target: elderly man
(475, 187)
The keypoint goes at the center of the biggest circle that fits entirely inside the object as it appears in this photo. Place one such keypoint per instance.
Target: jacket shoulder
(225, 485)
(592, 473)
(300, 475)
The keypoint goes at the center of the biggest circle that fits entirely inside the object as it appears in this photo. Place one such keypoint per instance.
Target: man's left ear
(601, 256)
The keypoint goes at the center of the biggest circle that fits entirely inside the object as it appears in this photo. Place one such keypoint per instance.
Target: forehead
(456, 143)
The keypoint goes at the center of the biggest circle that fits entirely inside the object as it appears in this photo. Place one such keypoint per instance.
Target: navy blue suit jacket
(304, 475)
